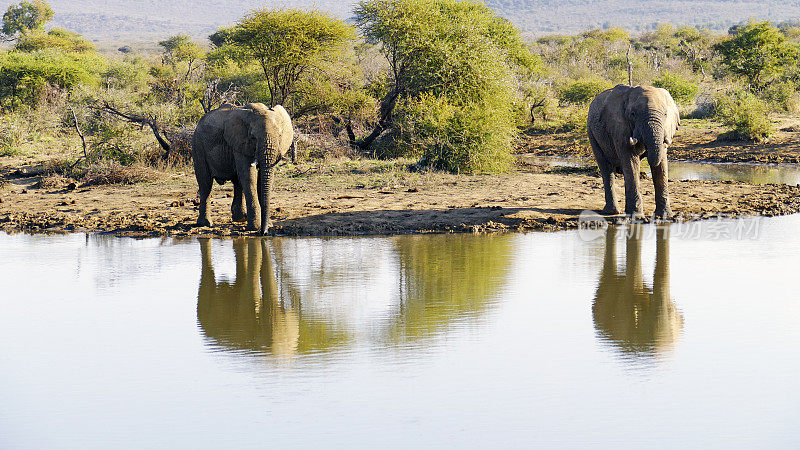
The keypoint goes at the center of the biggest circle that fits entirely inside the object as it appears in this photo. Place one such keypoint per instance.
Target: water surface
(684, 170)
(632, 337)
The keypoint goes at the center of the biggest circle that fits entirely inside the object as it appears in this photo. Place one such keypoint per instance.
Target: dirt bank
(315, 200)
(696, 140)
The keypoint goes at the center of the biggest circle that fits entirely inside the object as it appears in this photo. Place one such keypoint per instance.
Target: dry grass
(53, 181)
(115, 173)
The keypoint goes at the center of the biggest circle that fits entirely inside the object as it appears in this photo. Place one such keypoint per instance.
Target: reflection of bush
(445, 278)
(250, 313)
(636, 318)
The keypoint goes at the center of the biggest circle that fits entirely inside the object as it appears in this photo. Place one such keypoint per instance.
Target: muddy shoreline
(320, 203)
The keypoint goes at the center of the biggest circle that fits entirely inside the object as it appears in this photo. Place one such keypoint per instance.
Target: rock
(72, 186)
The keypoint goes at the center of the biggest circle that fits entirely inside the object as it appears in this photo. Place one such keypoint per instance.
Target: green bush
(55, 38)
(782, 96)
(683, 91)
(745, 114)
(26, 77)
(460, 138)
(583, 90)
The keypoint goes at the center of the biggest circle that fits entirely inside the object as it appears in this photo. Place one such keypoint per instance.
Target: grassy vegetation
(438, 84)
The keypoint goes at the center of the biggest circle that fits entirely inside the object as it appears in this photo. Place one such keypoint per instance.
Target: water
(635, 337)
(682, 170)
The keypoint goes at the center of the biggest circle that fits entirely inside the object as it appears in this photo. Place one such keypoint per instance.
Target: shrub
(55, 38)
(583, 90)
(25, 77)
(745, 114)
(683, 91)
(459, 138)
(782, 96)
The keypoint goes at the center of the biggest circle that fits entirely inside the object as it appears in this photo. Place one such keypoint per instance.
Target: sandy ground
(320, 203)
(696, 140)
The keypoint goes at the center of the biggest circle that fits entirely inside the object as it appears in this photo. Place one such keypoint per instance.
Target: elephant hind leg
(204, 183)
(607, 173)
(238, 211)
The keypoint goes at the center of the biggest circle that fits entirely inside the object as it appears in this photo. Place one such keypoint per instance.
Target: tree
(180, 48)
(758, 51)
(27, 16)
(453, 68)
(289, 46)
(55, 38)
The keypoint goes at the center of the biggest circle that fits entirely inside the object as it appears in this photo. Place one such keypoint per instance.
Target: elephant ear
(237, 134)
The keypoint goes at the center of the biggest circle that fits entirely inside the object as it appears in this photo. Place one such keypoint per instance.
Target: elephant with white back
(242, 144)
(627, 124)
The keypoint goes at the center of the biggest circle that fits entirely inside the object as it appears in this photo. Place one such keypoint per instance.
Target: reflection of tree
(445, 278)
(249, 314)
(637, 319)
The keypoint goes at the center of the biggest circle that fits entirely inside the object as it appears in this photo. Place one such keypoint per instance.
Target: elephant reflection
(249, 313)
(637, 319)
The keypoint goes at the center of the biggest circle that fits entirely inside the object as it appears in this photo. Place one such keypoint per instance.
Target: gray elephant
(625, 125)
(242, 144)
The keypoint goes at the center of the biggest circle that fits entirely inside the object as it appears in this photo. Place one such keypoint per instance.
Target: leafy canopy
(758, 52)
(288, 45)
(25, 17)
(180, 48)
(55, 38)
(24, 77)
(453, 68)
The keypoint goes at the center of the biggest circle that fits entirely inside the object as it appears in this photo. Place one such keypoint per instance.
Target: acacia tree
(180, 48)
(289, 46)
(27, 16)
(453, 69)
(758, 51)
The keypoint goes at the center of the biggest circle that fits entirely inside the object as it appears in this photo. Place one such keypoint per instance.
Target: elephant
(640, 320)
(242, 144)
(627, 124)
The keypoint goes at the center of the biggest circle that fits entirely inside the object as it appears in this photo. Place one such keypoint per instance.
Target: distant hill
(118, 20)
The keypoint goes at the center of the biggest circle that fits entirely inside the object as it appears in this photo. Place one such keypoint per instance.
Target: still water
(682, 170)
(632, 337)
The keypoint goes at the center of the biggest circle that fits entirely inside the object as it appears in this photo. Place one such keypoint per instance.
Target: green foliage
(131, 73)
(745, 114)
(782, 96)
(55, 38)
(758, 52)
(683, 91)
(453, 68)
(583, 90)
(613, 34)
(289, 45)
(180, 48)
(468, 138)
(25, 17)
(25, 77)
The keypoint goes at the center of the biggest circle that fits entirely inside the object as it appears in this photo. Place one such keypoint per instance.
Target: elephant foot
(635, 216)
(663, 214)
(609, 211)
(239, 216)
(204, 222)
(265, 229)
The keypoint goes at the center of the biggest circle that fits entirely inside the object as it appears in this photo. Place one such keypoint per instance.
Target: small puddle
(682, 170)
